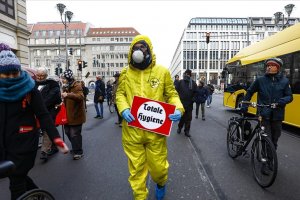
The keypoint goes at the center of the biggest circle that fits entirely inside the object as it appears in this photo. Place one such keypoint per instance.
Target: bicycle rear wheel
(111, 107)
(264, 161)
(233, 139)
(36, 194)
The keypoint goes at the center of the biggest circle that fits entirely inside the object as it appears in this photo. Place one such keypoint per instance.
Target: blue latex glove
(175, 116)
(127, 115)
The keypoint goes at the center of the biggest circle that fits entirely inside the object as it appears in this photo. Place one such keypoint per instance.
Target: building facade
(13, 28)
(107, 51)
(227, 36)
(48, 49)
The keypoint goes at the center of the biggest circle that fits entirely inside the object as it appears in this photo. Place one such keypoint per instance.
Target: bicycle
(7, 167)
(263, 154)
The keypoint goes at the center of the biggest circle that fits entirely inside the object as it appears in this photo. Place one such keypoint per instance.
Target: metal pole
(67, 67)
(248, 31)
(208, 61)
(282, 21)
(80, 51)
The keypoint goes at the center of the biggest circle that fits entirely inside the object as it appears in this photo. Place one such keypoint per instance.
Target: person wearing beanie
(272, 88)
(73, 98)
(21, 105)
(186, 89)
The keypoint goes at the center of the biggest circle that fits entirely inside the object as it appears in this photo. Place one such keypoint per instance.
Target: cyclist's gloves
(127, 115)
(175, 116)
(61, 145)
(281, 103)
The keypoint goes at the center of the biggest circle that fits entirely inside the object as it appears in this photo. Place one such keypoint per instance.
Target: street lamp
(288, 9)
(68, 15)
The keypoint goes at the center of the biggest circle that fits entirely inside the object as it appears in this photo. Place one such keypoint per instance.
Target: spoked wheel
(36, 194)
(264, 161)
(233, 139)
(111, 107)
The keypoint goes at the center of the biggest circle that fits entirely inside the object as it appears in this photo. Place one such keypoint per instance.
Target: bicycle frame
(256, 132)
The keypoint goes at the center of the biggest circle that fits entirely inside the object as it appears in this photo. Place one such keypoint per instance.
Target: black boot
(187, 134)
(179, 130)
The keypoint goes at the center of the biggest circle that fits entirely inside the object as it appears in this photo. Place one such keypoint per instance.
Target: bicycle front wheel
(264, 161)
(36, 194)
(233, 139)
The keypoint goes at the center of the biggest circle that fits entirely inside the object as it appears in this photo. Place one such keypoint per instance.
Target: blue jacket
(271, 89)
(201, 95)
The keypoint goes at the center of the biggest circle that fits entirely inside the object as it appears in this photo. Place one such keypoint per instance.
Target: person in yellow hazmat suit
(146, 151)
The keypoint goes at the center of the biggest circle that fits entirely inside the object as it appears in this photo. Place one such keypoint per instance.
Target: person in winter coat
(115, 86)
(186, 89)
(272, 88)
(74, 101)
(210, 88)
(176, 81)
(99, 97)
(108, 92)
(21, 105)
(200, 98)
(50, 91)
(146, 151)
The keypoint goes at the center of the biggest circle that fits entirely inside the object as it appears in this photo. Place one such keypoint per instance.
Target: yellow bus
(242, 69)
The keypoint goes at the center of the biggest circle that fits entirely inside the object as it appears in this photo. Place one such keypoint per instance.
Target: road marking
(202, 172)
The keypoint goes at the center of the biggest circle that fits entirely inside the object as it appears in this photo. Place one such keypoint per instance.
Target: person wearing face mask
(187, 89)
(50, 92)
(146, 151)
(21, 105)
(272, 88)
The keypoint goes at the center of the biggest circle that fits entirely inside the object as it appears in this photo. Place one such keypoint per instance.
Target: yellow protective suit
(145, 150)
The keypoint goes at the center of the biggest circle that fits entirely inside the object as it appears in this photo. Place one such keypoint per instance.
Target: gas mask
(138, 56)
(139, 60)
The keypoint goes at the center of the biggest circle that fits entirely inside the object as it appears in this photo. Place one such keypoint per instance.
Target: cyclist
(272, 88)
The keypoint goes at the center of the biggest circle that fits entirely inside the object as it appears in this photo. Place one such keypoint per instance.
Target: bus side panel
(229, 99)
(292, 111)
(253, 99)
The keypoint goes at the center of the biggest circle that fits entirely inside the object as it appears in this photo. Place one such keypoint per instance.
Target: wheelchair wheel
(36, 194)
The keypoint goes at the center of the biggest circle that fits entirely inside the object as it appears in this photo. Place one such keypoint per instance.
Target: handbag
(61, 117)
(100, 99)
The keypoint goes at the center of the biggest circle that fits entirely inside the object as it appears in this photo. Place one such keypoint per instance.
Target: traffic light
(56, 71)
(71, 51)
(207, 37)
(84, 64)
(79, 63)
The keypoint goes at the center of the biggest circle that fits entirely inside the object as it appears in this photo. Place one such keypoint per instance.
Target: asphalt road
(199, 166)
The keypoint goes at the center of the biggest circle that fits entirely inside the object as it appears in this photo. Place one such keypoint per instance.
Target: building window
(7, 8)
(37, 63)
(48, 62)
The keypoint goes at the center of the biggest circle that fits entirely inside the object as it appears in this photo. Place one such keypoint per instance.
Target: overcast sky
(163, 21)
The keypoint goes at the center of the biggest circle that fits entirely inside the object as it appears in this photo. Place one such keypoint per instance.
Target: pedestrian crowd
(29, 108)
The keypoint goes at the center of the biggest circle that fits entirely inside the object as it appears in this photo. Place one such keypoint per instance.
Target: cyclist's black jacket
(271, 89)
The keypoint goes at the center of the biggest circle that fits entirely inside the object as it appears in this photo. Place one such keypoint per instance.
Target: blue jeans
(99, 112)
(209, 99)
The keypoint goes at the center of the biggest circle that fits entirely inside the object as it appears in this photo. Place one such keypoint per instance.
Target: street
(200, 167)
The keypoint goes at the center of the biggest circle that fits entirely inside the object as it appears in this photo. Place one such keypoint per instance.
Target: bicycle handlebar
(254, 104)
